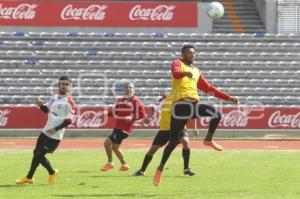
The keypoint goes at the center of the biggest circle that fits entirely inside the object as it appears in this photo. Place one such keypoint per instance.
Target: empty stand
(258, 68)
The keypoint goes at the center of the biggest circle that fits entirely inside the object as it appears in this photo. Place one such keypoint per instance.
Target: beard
(62, 92)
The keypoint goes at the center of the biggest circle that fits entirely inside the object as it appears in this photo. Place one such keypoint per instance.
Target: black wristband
(44, 108)
(63, 125)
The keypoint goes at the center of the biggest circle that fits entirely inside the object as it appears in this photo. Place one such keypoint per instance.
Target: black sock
(167, 152)
(146, 162)
(34, 164)
(186, 157)
(46, 163)
(213, 124)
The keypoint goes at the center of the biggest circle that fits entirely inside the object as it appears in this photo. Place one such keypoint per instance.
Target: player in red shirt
(126, 110)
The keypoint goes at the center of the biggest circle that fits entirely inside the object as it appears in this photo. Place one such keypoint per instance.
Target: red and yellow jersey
(185, 87)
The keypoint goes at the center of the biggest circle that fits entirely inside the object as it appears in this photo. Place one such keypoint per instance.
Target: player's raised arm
(41, 104)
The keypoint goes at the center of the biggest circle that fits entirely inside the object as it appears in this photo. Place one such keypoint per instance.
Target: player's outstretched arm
(208, 88)
(234, 100)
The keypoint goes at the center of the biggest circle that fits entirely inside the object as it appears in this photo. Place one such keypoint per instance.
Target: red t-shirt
(131, 106)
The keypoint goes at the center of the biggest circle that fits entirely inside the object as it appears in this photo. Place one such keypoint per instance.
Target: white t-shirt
(60, 108)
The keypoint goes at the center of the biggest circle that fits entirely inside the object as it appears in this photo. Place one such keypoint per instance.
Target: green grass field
(233, 174)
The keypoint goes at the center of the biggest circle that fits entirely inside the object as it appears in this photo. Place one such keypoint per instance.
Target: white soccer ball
(215, 10)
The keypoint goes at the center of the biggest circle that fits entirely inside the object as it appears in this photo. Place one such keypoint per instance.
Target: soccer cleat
(108, 166)
(24, 180)
(214, 145)
(188, 172)
(52, 178)
(124, 167)
(139, 173)
(156, 178)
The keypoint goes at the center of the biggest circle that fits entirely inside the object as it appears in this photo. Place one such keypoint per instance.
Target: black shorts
(162, 137)
(45, 143)
(118, 136)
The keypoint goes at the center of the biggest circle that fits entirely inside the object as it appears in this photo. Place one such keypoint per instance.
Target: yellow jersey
(165, 107)
(185, 87)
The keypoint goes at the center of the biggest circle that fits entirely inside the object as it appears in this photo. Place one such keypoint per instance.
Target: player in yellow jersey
(186, 80)
(164, 105)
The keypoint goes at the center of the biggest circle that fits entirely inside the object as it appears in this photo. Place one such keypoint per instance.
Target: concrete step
(244, 25)
(250, 21)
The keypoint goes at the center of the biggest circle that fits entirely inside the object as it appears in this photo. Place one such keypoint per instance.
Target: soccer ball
(215, 10)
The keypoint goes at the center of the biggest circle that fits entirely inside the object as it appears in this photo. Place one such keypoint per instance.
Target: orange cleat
(124, 167)
(214, 145)
(52, 178)
(107, 166)
(156, 178)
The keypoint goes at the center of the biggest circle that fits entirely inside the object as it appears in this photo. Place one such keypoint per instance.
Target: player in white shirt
(60, 111)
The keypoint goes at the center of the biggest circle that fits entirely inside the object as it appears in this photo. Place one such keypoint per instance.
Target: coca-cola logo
(4, 117)
(92, 12)
(277, 119)
(235, 118)
(90, 119)
(159, 13)
(22, 11)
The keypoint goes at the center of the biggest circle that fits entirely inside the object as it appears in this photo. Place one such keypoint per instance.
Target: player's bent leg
(120, 156)
(207, 110)
(108, 148)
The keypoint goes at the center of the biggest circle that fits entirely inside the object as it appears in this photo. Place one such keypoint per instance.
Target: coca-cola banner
(232, 118)
(98, 13)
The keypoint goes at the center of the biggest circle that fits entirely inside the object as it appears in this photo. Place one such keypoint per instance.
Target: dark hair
(185, 47)
(65, 78)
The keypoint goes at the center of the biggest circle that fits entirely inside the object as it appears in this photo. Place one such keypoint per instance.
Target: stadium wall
(267, 12)
(90, 122)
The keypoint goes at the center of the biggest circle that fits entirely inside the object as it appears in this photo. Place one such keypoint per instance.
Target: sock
(186, 157)
(146, 162)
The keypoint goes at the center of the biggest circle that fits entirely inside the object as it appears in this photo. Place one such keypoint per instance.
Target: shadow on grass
(10, 185)
(100, 176)
(137, 195)
(21, 185)
(87, 171)
(147, 176)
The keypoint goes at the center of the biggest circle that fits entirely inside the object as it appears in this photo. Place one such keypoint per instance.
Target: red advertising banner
(232, 118)
(98, 13)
